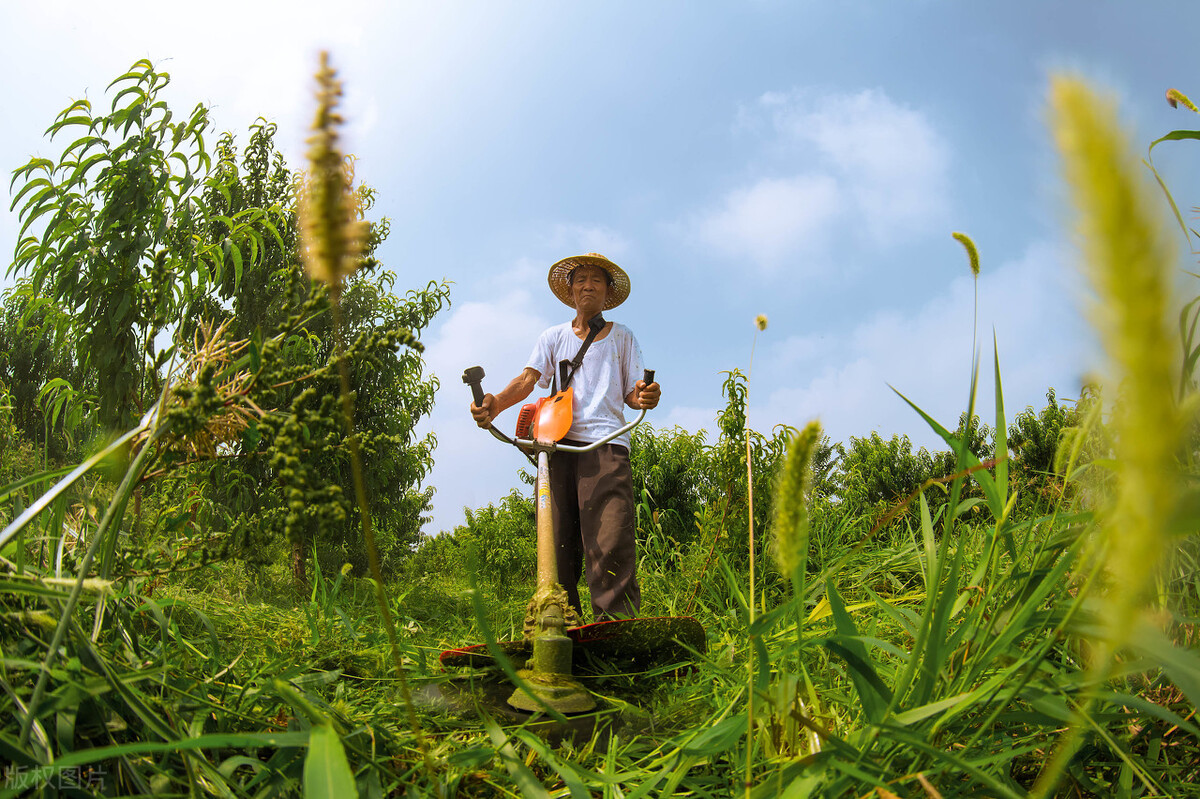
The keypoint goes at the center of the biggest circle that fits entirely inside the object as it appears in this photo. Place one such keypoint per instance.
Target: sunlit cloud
(889, 158)
(498, 335)
(842, 165)
(773, 219)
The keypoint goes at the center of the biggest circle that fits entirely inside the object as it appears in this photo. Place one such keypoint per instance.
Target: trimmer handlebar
(473, 377)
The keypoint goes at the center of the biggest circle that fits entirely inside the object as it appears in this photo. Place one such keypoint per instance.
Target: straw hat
(560, 275)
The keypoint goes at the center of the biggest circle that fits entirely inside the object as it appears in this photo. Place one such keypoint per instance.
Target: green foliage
(863, 681)
(298, 457)
(876, 474)
(139, 225)
(284, 477)
(115, 232)
(1035, 439)
(47, 388)
(672, 466)
(729, 473)
(497, 543)
(18, 458)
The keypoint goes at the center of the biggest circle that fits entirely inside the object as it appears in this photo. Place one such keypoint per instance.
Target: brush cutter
(554, 641)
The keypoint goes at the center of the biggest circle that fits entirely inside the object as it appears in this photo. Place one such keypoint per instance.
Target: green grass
(971, 645)
(951, 662)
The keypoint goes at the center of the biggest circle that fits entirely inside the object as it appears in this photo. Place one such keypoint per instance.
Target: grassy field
(959, 641)
(926, 665)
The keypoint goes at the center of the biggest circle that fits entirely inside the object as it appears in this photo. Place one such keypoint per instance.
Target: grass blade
(327, 773)
(872, 692)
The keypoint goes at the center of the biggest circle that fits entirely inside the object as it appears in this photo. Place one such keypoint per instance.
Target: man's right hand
(483, 415)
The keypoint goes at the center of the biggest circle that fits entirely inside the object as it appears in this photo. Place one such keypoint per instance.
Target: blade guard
(554, 416)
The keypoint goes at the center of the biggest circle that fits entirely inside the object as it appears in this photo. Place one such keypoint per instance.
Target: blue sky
(804, 160)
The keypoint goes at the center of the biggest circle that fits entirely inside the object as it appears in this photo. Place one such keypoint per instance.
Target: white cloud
(796, 351)
(773, 219)
(487, 334)
(846, 163)
(471, 468)
(890, 158)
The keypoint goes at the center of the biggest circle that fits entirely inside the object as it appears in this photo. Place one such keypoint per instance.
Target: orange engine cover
(554, 416)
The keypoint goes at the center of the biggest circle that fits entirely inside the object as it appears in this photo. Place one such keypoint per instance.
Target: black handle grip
(473, 377)
(647, 376)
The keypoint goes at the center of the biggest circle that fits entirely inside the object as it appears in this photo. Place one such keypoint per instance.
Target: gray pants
(591, 499)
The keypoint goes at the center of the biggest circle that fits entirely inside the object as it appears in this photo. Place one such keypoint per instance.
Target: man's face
(589, 289)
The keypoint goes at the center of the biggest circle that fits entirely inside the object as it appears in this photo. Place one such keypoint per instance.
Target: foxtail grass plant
(760, 324)
(791, 527)
(332, 234)
(791, 534)
(1127, 257)
(973, 261)
(1175, 98)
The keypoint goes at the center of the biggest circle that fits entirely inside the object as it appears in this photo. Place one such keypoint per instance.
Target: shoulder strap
(595, 325)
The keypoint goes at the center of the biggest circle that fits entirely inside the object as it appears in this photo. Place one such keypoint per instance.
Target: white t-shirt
(611, 368)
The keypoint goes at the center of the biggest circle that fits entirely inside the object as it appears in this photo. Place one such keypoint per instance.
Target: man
(591, 493)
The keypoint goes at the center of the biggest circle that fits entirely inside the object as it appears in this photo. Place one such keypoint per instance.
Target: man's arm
(518, 389)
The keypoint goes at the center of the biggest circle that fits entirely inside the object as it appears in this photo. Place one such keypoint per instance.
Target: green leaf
(966, 505)
(1000, 437)
(38, 589)
(525, 779)
(65, 123)
(471, 757)
(44, 164)
(327, 773)
(42, 209)
(933, 565)
(12, 488)
(103, 754)
(236, 252)
(1176, 135)
(134, 73)
(718, 738)
(932, 709)
(270, 226)
(138, 90)
(37, 199)
(1181, 665)
(872, 692)
(31, 184)
(1162, 184)
(570, 776)
(967, 458)
(81, 170)
(87, 142)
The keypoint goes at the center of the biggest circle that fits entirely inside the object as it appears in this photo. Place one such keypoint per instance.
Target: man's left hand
(647, 395)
